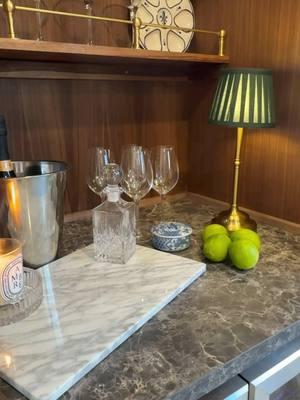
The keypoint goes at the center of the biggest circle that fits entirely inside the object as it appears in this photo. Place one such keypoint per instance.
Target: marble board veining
(88, 310)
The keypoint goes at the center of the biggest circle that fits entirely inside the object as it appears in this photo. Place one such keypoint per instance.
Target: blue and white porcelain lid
(171, 229)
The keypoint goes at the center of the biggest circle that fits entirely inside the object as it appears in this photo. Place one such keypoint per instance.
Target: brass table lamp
(243, 99)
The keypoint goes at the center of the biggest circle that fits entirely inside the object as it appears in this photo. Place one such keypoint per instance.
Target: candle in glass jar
(11, 271)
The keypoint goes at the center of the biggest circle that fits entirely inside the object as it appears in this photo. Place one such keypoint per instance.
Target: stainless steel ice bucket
(31, 209)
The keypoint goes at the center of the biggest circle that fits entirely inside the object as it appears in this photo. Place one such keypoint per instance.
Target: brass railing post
(222, 35)
(136, 26)
(9, 8)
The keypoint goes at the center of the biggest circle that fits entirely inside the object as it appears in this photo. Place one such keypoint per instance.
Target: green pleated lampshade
(244, 98)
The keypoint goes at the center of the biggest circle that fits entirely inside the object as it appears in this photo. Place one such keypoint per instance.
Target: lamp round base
(234, 220)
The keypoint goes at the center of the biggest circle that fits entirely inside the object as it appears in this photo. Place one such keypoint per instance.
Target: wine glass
(39, 20)
(165, 171)
(98, 158)
(137, 176)
(133, 8)
(89, 11)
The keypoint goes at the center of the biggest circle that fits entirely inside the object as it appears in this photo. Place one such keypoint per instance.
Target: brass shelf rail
(10, 8)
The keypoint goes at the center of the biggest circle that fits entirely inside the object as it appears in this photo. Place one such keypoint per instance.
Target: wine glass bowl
(98, 158)
(165, 169)
(135, 185)
(137, 175)
(137, 172)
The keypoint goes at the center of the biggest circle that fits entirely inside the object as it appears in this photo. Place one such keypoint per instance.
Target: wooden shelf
(69, 52)
(99, 60)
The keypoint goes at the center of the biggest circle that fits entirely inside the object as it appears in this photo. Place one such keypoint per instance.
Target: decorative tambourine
(178, 13)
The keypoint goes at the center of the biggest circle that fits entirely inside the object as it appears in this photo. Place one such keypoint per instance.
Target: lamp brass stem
(222, 35)
(9, 8)
(234, 219)
(237, 163)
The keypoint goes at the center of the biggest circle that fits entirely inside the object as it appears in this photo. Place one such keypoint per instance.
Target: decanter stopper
(113, 176)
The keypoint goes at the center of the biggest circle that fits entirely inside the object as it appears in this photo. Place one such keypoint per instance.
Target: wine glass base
(143, 233)
(143, 237)
(162, 211)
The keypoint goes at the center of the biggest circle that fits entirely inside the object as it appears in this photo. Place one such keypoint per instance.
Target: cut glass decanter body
(114, 222)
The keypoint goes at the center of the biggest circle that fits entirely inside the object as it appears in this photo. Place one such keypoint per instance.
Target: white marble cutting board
(88, 310)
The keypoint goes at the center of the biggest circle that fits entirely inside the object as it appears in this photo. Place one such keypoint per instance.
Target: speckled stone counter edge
(218, 376)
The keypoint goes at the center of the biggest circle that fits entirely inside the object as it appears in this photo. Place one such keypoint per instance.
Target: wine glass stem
(39, 21)
(137, 216)
(102, 196)
(163, 198)
(89, 11)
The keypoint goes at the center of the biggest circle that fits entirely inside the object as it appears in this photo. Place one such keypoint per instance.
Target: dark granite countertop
(222, 324)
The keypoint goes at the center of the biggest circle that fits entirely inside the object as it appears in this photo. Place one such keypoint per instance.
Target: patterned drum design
(166, 12)
(171, 236)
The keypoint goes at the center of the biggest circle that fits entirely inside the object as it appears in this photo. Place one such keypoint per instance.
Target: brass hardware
(222, 35)
(234, 219)
(67, 14)
(136, 32)
(9, 8)
(237, 163)
(181, 28)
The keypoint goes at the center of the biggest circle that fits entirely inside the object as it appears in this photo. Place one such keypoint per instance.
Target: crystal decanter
(114, 222)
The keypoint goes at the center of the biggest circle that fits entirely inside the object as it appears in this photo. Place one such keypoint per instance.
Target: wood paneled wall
(260, 34)
(66, 29)
(61, 119)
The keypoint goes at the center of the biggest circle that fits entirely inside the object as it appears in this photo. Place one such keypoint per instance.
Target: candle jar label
(12, 280)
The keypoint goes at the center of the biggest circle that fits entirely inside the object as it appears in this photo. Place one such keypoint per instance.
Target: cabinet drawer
(277, 377)
(235, 389)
